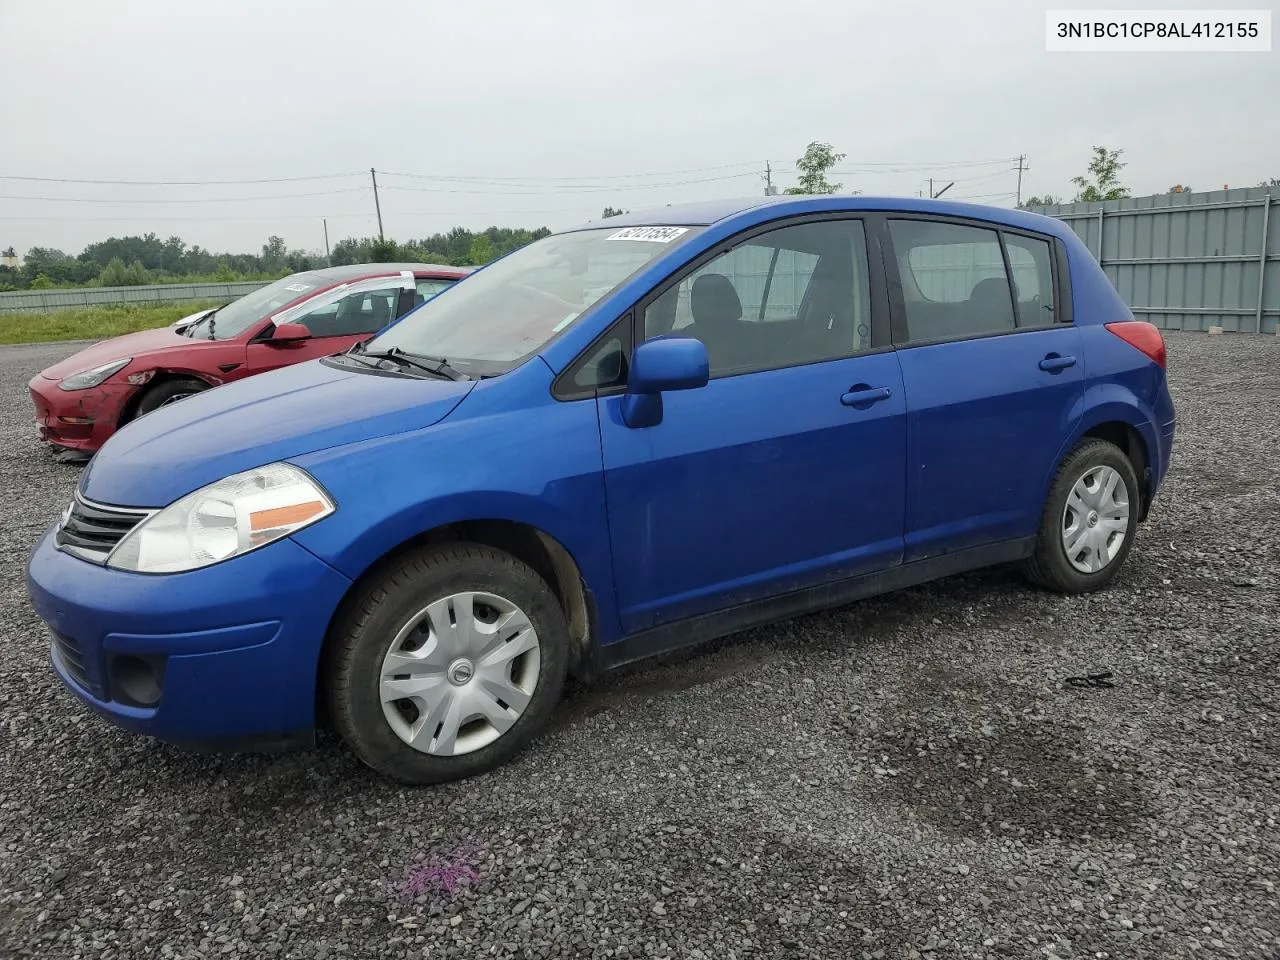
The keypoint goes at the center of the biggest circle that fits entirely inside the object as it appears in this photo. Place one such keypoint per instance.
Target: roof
(355, 271)
(708, 212)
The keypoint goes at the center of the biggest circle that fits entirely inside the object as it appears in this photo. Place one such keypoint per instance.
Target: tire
(382, 616)
(1077, 521)
(168, 391)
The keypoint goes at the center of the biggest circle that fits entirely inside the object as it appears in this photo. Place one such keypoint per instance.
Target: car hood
(140, 344)
(272, 416)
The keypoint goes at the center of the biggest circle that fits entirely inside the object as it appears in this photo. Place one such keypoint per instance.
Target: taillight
(1142, 336)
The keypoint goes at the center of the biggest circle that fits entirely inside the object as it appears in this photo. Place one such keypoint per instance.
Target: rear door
(993, 372)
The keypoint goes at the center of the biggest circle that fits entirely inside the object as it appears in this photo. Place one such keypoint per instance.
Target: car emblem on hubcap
(460, 672)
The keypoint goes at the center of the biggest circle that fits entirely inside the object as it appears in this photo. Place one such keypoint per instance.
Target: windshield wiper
(435, 365)
(190, 329)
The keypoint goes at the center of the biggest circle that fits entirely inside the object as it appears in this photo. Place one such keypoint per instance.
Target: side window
(426, 289)
(366, 311)
(603, 366)
(1031, 263)
(797, 294)
(953, 280)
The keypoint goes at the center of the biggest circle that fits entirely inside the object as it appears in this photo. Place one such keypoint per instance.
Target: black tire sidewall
(156, 395)
(1051, 556)
(362, 642)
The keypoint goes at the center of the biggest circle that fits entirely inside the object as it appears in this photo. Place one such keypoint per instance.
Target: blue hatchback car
(621, 439)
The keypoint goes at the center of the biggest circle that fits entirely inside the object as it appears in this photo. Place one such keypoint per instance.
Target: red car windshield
(237, 316)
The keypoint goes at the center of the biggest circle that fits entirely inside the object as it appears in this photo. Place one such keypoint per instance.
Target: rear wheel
(1089, 520)
(447, 664)
(169, 391)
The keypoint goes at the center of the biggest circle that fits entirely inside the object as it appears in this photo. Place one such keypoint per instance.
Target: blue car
(622, 439)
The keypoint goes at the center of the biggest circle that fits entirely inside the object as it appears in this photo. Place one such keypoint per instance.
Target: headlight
(91, 378)
(223, 520)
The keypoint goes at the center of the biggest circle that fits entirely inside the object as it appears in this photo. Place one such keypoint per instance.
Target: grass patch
(92, 323)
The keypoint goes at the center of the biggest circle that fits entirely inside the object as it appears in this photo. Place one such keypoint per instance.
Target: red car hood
(142, 343)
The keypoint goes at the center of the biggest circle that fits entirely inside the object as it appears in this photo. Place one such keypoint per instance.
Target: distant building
(8, 258)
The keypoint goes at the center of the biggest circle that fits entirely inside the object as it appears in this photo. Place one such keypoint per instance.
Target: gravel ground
(906, 777)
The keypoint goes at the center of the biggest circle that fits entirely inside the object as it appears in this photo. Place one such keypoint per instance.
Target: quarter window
(1031, 262)
(953, 277)
(426, 289)
(795, 295)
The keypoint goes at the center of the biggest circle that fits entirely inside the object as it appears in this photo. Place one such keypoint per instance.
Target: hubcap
(1095, 520)
(175, 398)
(460, 673)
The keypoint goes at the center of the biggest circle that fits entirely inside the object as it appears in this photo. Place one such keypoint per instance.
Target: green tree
(116, 274)
(1272, 184)
(1105, 169)
(481, 251)
(384, 251)
(41, 282)
(273, 253)
(1047, 200)
(813, 166)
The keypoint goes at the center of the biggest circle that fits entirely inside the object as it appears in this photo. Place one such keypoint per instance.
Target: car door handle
(864, 396)
(1053, 363)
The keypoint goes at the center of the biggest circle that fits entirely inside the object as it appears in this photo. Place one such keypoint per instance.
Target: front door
(335, 326)
(993, 380)
(786, 469)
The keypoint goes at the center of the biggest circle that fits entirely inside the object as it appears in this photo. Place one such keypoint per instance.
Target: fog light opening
(137, 681)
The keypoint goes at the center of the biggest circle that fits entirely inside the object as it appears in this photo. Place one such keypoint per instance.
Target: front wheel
(1089, 520)
(169, 391)
(447, 664)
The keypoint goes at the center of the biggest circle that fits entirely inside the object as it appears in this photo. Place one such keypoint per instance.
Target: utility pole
(325, 221)
(931, 188)
(1021, 166)
(377, 206)
(769, 190)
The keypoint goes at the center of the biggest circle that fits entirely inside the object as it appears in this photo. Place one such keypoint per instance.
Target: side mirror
(289, 334)
(659, 365)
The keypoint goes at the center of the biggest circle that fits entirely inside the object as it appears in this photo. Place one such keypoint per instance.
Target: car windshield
(237, 316)
(504, 313)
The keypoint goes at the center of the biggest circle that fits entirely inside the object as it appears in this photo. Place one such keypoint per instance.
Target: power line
(281, 196)
(583, 188)
(309, 216)
(179, 183)
(908, 166)
(987, 196)
(537, 180)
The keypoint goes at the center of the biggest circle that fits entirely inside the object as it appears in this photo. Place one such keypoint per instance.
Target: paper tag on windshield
(650, 234)
(298, 287)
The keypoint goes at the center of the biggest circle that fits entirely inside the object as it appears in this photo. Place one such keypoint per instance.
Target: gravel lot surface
(906, 777)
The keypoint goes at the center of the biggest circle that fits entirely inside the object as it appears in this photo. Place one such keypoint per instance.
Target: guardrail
(24, 301)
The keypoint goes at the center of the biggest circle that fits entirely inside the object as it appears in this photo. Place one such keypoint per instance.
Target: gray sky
(612, 98)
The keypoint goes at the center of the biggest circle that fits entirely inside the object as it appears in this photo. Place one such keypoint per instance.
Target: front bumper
(236, 645)
(78, 419)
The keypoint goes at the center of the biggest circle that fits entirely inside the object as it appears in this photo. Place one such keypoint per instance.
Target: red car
(84, 399)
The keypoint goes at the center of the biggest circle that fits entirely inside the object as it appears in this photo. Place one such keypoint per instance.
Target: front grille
(91, 530)
(73, 661)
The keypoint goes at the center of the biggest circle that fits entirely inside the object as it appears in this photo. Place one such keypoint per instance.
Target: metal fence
(1188, 261)
(42, 300)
